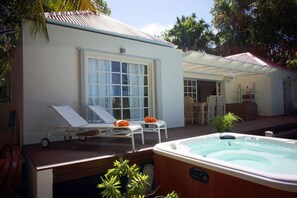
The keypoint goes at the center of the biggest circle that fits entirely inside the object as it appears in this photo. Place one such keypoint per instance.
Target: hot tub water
(255, 154)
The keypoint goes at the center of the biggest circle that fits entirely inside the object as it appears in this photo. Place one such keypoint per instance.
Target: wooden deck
(77, 164)
(75, 159)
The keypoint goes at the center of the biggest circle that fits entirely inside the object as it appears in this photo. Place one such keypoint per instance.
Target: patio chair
(209, 112)
(76, 125)
(189, 110)
(106, 117)
(220, 105)
(211, 104)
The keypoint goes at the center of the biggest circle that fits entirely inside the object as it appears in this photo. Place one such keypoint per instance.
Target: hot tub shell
(172, 174)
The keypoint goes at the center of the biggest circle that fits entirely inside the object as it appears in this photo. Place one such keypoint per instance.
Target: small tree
(125, 181)
(225, 123)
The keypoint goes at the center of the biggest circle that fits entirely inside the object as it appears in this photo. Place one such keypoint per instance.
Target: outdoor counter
(247, 111)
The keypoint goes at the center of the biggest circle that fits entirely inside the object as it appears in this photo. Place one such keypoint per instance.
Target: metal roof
(100, 23)
(202, 63)
(250, 58)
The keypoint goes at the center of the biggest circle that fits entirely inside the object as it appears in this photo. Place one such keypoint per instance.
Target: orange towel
(121, 123)
(150, 119)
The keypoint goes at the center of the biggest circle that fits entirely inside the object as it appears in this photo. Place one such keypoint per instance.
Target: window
(123, 87)
(190, 89)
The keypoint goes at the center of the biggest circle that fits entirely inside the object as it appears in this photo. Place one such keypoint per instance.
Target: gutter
(104, 32)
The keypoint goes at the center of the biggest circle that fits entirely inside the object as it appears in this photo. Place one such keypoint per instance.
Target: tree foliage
(232, 19)
(275, 29)
(189, 34)
(14, 12)
(264, 27)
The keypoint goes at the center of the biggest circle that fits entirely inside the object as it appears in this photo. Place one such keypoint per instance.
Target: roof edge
(74, 26)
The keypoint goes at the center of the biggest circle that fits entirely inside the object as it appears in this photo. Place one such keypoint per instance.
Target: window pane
(134, 80)
(125, 79)
(105, 102)
(116, 78)
(104, 90)
(93, 90)
(126, 113)
(145, 91)
(134, 102)
(135, 113)
(146, 112)
(143, 69)
(125, 68)
(117, 114)
(145, 80)
(115, 66)
(93, 64)
(92, 77)
(104, 65)
(146, 102)
(126, 102)
(125, 91)
(104, 77)
(116, 103)
(116, 90)
(134, 69)
(93, 101)
(134, 91)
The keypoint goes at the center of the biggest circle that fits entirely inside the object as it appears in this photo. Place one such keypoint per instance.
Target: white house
(94, 59)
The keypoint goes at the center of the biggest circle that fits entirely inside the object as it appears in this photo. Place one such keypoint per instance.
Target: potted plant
(225, 123)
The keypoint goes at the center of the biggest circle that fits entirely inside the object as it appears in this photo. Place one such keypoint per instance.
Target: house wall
(230, 90)
(277, 89)
(52, 75)
(269, 90)
(263, 94)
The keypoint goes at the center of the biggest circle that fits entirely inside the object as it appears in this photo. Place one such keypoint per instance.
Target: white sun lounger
(76, 125)
(147, 126)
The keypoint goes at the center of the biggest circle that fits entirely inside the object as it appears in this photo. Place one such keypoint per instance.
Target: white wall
(263, 95)
(269, 90)
(52, 75)
(277, 89)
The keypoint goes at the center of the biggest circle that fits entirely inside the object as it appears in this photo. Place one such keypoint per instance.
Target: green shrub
(125, 181)
(225, 123)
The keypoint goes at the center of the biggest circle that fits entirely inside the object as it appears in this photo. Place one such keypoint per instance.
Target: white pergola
(202, 63)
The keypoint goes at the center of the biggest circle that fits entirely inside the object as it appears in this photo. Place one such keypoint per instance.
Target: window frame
(86, 54)
(188, 89)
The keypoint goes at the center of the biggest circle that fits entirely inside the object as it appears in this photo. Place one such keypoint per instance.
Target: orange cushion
(150, 119)
(121, 123)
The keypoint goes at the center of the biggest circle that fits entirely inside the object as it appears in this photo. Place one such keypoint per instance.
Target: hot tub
(227, 164)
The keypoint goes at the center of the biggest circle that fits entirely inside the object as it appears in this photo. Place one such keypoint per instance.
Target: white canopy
(202, 63)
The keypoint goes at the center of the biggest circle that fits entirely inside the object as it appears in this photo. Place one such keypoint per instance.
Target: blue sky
(155, 16)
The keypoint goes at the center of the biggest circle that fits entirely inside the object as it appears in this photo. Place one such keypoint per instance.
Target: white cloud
(155, 29)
